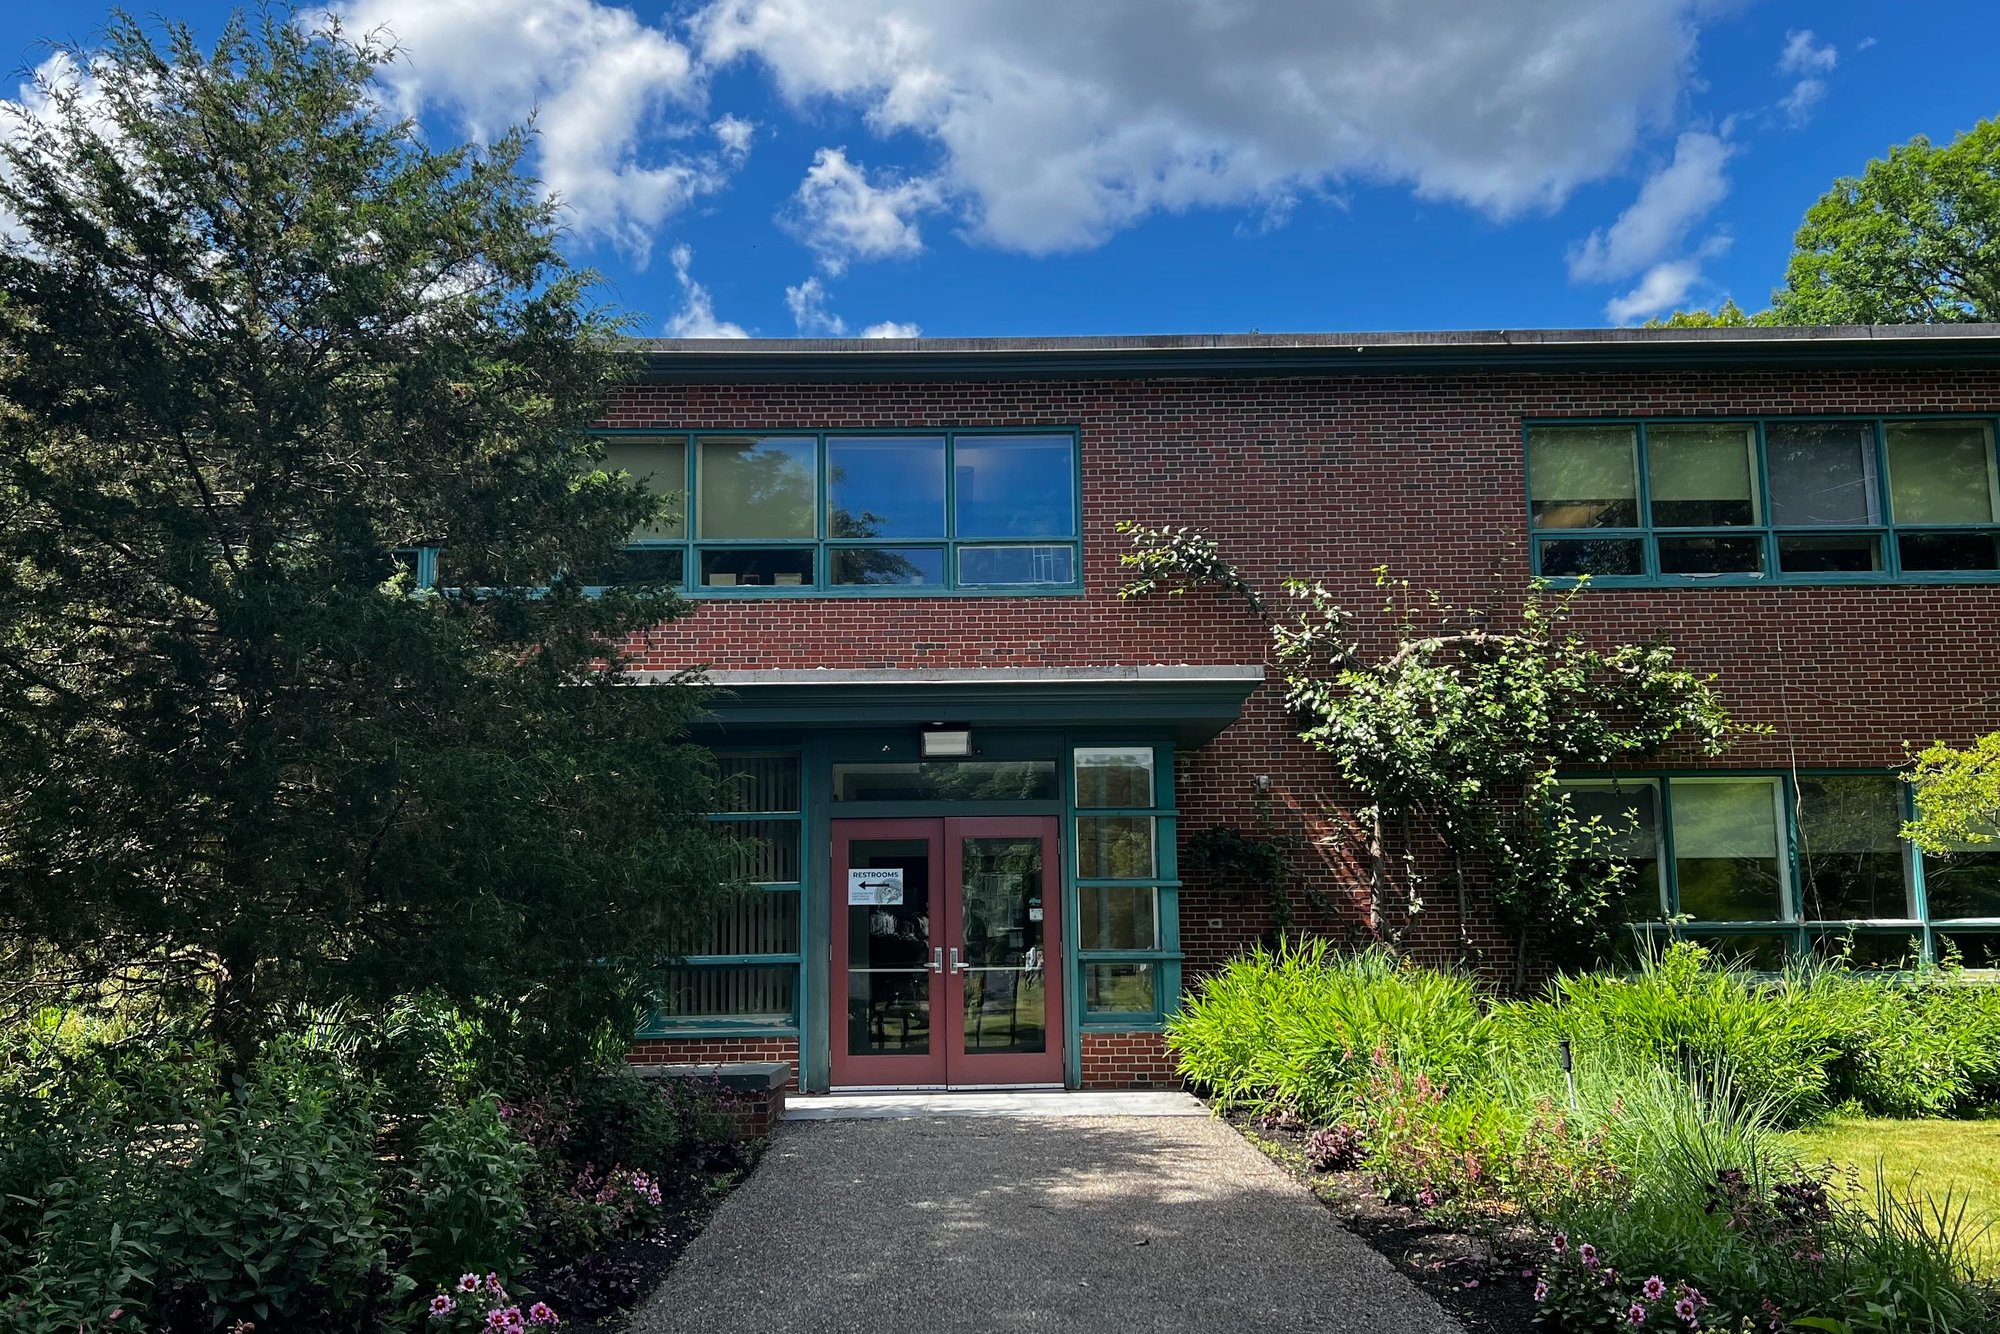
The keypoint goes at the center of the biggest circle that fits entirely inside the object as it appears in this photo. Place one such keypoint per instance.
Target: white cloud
(842, 216)
(1806, 59)
(813, 314)
(810, 311)
(1057, 124)
(57, 81)
(734, 134)
(1672, 200)
(1665, 286)
(1798, 103)
(697, 314)
(1802, 56)
(600, 83)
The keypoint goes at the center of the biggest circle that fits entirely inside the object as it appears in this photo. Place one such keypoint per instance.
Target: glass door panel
(947, 952)
(888, 954)
(1006, 954)
(1006, 1004)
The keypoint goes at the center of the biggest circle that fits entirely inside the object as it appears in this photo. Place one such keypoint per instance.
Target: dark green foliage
(257, 339)
(462, 1203)
(142, 1187)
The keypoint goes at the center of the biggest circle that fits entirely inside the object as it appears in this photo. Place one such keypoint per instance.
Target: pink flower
(1588, 1254)
(442, 1306)
(1685, 1309)
(1541, 1292)
(1635, 1314)
(493, 1283)
(1561, 1243)
(1654, 1288)
(540, 1314)
(468, 1282)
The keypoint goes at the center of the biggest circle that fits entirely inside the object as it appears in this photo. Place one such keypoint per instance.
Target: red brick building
(974, 769)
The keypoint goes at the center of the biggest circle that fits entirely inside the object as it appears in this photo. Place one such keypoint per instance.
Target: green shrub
(1923, 1045)
(1307, 1028)
(463, 1206)
(1685, 1011)
(276, 1218)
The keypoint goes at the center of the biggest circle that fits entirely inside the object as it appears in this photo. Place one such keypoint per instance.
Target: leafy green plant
(276, 1218)
(1465, 723)
(463, 1205)
(1684, 1010)
(1301, 1028)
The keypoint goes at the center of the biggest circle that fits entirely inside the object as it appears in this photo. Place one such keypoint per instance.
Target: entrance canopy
(1193, 702)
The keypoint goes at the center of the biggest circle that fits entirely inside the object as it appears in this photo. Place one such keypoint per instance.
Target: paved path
(1073, 1224)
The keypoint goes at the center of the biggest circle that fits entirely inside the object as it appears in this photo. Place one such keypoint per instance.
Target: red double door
(947, 953)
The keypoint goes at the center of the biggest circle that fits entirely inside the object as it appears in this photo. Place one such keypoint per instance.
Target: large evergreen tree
(257, 342)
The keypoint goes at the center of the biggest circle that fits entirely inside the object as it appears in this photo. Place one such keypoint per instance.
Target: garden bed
(1480, 1278)
(599, 1291)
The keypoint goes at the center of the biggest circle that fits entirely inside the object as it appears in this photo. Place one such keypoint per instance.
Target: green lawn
(1962, 1157)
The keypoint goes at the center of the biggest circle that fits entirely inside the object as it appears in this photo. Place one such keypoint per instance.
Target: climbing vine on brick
(1466, 722)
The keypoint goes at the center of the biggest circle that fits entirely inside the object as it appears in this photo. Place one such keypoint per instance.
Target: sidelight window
(744, 974)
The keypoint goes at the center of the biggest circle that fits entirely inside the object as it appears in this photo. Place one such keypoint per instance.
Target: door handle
(956, 966)
(937, 959)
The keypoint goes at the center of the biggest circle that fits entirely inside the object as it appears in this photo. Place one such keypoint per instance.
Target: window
(1728, 865)
(1126, 894)
(1817, 501)
(1853, 863)
(852, 514)
(744, 976)
(1628, 819)
(1766, 866)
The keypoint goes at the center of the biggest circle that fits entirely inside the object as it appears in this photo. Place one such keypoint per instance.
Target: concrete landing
(987, 1102)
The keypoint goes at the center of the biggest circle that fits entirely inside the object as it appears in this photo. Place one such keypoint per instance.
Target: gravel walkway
(1074, 1224)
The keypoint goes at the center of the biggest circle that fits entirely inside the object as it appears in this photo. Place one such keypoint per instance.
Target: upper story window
(854, 513)
(1841, 500)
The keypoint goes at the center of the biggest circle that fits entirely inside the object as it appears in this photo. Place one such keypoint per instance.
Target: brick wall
(1329, 478)
(1127, 1060)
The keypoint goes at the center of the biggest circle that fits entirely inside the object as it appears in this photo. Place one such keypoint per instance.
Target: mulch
(1477, 1276)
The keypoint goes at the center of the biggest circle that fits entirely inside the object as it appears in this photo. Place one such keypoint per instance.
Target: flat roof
(1421, 352)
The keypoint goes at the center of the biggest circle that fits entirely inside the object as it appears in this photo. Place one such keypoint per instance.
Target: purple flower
(1561, 1242)
(493, 1284)
(1685, 1309)
(1654, 1288)
(442, 1306)
(1541, 1292)
(1588, 1254)
(1635, 1314)
(540, 1314)
(468, 1282)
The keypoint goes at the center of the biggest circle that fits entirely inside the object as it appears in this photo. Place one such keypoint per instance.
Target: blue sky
(991, 167)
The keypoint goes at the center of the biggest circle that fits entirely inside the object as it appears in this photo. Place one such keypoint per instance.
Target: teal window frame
(1165, 954)
(1801, 932)
(657, 1025)
(822, 546)
(1648, 534)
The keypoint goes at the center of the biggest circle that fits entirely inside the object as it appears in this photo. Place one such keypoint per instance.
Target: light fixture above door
(946, 743)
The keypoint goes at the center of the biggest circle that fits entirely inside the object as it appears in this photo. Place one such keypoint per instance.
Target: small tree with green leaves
(258, 340)
(1467, 723)
(1958, 796)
